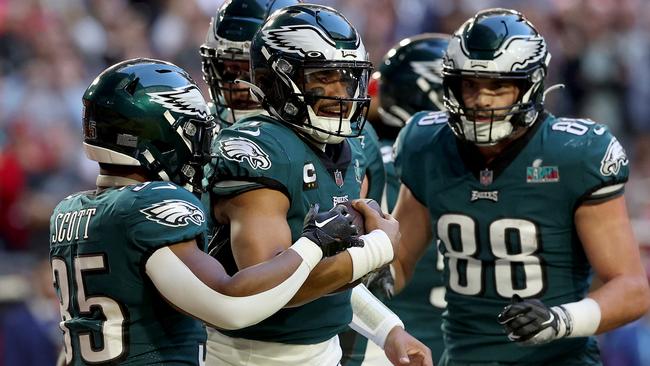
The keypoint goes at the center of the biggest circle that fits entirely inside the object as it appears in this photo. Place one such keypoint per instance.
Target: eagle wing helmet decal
(521, 52)
(183, 100)
(174, 213)
(305, 39)
(430, 70)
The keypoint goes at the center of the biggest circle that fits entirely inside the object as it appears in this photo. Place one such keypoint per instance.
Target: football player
(225, 59)
(525, 204)
(127, 258)
(409, 81)
(309, 71)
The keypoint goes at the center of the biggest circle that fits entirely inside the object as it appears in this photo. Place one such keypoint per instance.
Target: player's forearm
(348, 267)
(329, 275)
(402, 276)
(371, 318)
(263, 276)
(182, 288)
(622, 300)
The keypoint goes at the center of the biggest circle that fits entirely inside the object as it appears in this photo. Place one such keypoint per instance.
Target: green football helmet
(303, 46)
(495, 44)
(148, 113)
(225, 55)
(410, 78)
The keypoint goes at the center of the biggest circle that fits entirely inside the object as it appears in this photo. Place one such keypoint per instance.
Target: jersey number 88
(459, 235)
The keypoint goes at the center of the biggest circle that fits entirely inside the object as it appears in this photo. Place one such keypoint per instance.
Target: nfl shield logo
(486, 177)
(338, 178)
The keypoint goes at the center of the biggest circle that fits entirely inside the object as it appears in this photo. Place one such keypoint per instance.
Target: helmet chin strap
(327, 124)
(487, 134)
(320, 137)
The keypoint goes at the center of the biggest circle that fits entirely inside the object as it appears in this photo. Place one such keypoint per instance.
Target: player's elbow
(639, 291)
(644, 295)
(402, 272)
(233, 323)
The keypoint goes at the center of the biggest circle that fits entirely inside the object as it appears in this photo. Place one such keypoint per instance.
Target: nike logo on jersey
(323, 223)
(252, 133)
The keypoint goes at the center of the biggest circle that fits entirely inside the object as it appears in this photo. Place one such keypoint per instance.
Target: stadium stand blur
(50, 48)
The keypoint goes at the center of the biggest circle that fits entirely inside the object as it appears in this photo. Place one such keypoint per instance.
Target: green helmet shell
(228, 38)
(302, 39)
(410, 78)
(495, 44)
(148, 113)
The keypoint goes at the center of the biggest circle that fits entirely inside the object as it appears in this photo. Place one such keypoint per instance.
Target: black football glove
(381, 283)
(332, 230)
(530, 322)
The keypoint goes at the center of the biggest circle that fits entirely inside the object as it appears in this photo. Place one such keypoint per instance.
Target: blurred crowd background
(51, 49)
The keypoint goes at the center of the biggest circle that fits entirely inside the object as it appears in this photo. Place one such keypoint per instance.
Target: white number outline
(112, 329)
(530, 245)
(576, 126)
(437, 293)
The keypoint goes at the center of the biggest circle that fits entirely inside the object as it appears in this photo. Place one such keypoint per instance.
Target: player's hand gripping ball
(357, 217)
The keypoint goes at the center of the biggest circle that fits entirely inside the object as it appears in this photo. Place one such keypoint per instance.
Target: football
(357, 218)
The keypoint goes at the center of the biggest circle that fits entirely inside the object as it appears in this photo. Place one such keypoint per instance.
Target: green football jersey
(260, 152)
(391, 188)
(508, 226)
(421, 303)
(375, 168)
(111, 311)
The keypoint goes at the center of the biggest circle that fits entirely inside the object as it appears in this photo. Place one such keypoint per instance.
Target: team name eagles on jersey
(508, 228)
(259, 152)
(99, 245)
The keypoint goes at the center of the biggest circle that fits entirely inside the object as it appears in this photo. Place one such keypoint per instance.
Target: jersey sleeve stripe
(224, 184)
(607, 191)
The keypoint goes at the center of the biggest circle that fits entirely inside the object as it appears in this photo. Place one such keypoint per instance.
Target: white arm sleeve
(176, 282)
(370, 317)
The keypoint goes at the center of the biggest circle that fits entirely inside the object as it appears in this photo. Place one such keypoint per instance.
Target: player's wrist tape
(376, 251)
(310, 252)
(578, 319)
(370, 317)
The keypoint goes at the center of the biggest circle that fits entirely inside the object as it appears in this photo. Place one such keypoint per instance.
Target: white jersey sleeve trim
(176, 282)
(607, 190)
